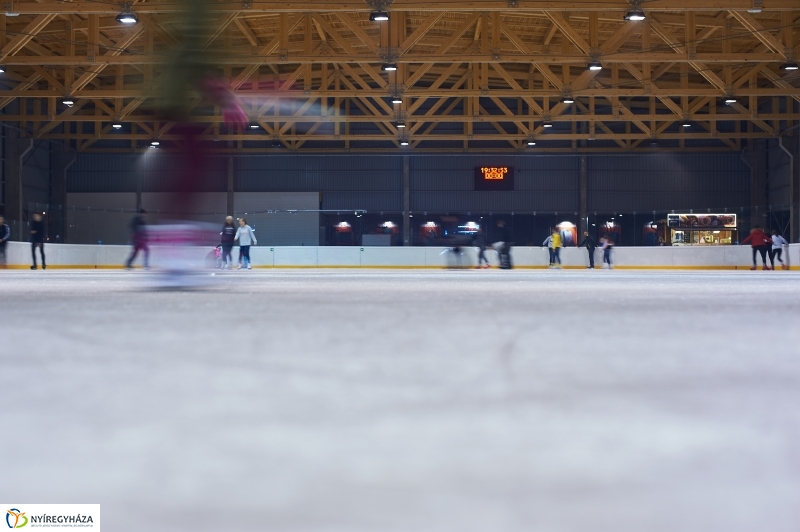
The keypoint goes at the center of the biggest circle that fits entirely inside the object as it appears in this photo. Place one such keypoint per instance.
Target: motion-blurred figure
(555, 245)
(548, 243)
(479, 243)
(590, 244)
(138, 228)
(37, 239)
(606, 244)
(227, 237)
(504, 243)
(777, 249)
(5, 236)
(246, 237)
(761, 243)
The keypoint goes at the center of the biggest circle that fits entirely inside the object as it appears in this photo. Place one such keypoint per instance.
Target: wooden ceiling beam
(278, 6)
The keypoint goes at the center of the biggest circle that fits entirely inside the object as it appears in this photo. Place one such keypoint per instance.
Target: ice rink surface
(342, 400)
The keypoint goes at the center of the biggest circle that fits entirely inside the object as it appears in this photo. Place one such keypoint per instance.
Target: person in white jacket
(246, 237)
(777, 249)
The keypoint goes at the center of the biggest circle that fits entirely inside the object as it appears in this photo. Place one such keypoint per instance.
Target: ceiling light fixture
(155, 143)
(789, 65)
(68, 102)
(379, 16)
(635, 13)
(686, 123)
(116, 125)
(399, 124)
(567, 100)
(594, 65)
(389, 67)
(757, 6)
(127, 16)
(531, 142)
(397, 99)
(547, 123)
(2, 70)
(730, 100)
(254, 126)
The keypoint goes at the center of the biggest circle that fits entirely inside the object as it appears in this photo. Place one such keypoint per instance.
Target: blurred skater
(556, 245)
(548, 243)
(606, 244)
(37, 239)
(5, 236)
(761, 244)
(138, 227)
(777, 249)
(479, 243)
(246, 238)
(227, 236)
(504, 243)
(590, 244)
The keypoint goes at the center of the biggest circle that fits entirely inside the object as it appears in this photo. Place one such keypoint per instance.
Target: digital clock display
(494, 178)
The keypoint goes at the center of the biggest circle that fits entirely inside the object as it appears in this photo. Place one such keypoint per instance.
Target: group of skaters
(228, 237)
(553, 243)
(766, 246)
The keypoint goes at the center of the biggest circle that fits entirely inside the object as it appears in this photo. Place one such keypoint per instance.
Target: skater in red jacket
(761, 243)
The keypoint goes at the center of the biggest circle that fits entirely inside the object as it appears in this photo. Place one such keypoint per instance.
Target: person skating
(227, 236)
(479, 243)
(590, 245)
(138, 227)
(548, 243)
(505, 240)
(37, 239)
(246, 238)
(606, 244)
(555, 242)
(5, 236)
(777, 249)
(761, 244)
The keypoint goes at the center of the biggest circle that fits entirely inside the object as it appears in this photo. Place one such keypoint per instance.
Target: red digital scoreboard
(494, 178)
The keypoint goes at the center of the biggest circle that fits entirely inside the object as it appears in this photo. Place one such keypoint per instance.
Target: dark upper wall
(443, 183)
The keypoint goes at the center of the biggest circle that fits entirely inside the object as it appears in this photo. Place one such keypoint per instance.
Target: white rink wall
(89, 256)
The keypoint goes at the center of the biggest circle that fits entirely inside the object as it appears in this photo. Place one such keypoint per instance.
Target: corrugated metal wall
(36, 176)
(778, 178)
(443, 183)
(659, 182)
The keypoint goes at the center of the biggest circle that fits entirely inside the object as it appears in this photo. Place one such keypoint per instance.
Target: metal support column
(583, 225)
(406, 201)
(16, 149)
(61, 158)
(230, 186)
(756, 160)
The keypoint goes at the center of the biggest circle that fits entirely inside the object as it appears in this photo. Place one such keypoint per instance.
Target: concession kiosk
(702, 229)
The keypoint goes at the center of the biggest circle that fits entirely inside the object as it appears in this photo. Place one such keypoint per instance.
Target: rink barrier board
(74, 256)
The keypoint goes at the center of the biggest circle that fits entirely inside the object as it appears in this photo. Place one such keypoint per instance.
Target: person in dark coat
(227, 236)
(479, 242)
(138, 228)
(5, 236)
(505, 239)
(591, 245)
(37, 239)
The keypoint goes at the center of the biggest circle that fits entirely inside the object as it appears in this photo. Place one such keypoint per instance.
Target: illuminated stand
(569, 234)
(701, 229)
(430, 233)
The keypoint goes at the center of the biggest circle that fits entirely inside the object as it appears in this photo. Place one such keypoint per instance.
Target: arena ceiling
(471, 76)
